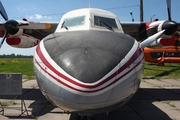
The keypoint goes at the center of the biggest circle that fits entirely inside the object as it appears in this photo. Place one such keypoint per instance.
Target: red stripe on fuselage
(127, 64)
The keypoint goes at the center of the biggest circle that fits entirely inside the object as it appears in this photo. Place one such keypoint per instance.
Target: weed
(14, 61)
(4, 104)
(3, 62)
(36, 118)
(33, 86)
(172, 105)
(13, 102)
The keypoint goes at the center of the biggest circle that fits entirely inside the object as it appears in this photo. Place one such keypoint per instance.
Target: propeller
(169, 25)
(169, 9)
(4, 15)
(13, 26)
(3, 12)
(5, 35)
(10, 26)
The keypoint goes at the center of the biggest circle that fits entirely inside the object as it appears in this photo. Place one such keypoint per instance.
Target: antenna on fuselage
(89, 5)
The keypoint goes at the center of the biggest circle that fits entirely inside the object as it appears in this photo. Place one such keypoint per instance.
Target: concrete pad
(159, 83)
(3, 117)
(30, 84)
(175, 104)
(165, 83)
(145, 84)
(155, 100)
(173, 81)
(171, 111)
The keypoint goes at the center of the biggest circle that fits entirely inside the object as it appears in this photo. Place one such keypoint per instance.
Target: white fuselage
(76, 68)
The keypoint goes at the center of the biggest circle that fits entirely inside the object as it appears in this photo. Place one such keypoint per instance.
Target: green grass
(25, 66)
(169, 70)
(17, 65)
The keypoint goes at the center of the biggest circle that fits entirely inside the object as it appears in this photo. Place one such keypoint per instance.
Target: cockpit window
(74, 21)
(102, 21)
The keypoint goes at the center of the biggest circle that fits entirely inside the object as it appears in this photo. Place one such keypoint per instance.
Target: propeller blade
(169, 9)
(151, 39)
(4, 37)
(3, 12)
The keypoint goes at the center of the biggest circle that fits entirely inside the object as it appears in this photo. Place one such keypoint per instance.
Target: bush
(14, 61)
(3, 62)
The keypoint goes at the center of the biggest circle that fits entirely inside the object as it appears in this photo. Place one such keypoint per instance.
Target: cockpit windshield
(104, 21)
(74, 21)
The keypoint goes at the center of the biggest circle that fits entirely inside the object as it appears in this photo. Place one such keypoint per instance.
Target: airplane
(87, 63)
(167, 50)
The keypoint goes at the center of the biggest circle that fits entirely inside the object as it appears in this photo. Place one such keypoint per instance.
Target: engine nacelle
(22, 41)
(18, 33)
(170, 27)
(167, 39)
(163, 43)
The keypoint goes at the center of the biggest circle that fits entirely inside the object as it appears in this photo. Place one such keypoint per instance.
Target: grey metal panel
(77, 103)
(11, 84)
(88, 55)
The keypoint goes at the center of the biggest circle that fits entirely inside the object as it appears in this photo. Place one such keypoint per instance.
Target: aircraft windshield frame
(75, 21)
(99, 21)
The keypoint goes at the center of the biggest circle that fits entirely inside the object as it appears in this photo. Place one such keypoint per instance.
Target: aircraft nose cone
(88, 55)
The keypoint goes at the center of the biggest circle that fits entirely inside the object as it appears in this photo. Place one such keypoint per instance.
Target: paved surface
(155, 100)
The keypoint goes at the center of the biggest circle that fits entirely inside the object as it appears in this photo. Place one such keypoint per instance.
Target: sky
(52, 11)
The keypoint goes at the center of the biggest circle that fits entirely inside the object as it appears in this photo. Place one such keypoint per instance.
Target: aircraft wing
(141, 31)
(41, 33)
(135, 29)
(138, 30)
(36, 33)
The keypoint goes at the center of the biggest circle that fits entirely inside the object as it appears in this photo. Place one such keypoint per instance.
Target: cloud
(38, 16)
(21, 9)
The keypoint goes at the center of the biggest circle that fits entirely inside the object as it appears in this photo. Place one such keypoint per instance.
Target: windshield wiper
(106, 25)
(63, 25)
